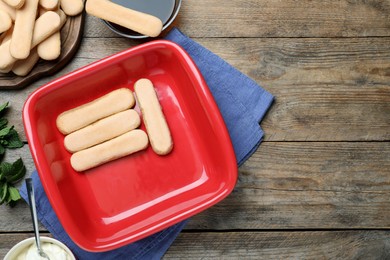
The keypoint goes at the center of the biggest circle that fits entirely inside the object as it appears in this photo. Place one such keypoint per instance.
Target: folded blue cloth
(242, 103)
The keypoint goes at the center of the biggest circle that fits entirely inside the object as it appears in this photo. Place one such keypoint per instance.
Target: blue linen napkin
(243, 105)
(242, 102)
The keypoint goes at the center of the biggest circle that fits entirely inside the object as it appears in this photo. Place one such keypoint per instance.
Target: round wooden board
(71, 34)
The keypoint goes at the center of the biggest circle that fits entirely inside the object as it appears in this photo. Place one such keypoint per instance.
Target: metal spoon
(31, 198)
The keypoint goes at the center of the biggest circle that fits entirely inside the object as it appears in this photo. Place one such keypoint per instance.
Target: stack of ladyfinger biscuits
(106, 128)
(30, 29)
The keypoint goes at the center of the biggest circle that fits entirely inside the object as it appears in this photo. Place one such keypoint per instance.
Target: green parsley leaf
(9, 173)
(17, 172)
(13, 194)
(5, 170)
(5, 131)
(3, 107)
(3, 122)
(13, 140)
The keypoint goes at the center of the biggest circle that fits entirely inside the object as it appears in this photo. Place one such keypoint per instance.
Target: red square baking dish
(133, 197)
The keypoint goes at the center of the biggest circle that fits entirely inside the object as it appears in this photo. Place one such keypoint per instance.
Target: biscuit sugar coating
(23, 67)
(45, 25)
(153, 117)
(102, 130)
(50, 48)
(72, 7)
(49, 4)
(23, 29)
(8, 9)
(6, 59)
(5, 21)
(123, 145)
(15, 3)
(81, 116)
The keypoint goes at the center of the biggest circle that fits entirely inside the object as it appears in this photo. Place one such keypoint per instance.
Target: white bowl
(24, 244)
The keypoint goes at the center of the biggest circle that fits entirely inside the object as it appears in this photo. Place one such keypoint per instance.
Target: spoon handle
(31, 199)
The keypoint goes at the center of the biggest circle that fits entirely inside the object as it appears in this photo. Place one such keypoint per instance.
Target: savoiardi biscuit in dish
(123, 145)
(102, 130)
(81, 116)
(153, 117)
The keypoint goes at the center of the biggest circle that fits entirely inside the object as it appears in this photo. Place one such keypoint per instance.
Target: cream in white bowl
(27, 250)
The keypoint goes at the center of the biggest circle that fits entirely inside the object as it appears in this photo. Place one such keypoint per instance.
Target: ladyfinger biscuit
(8, 9)
(49, 4)
(5, 21)
(123, 145)
(2, 35)
(72, 7)
(102, 130)
(156, 125)
(23, 29)
(45, 25)
(50, 49)
(23, 67)
(4, 71)
(6, 59)
(6, 35)
(137, 21)
(109, 104)
(15, 3)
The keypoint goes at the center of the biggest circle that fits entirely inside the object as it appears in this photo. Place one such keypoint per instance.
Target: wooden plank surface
(287, 185)
(319, 186)
(326, 89)
(373, 245)
(281, 245)
(288, 18)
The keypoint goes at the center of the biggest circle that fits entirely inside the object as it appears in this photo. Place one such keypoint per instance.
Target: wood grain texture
(326, 89)
(319, 186)
(281, 245)
(71, 35)
(289, 18)
(286, 185)
(373, 245)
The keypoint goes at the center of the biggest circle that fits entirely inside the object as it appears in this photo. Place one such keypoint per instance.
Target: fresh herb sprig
(9, 138)
(10, 173)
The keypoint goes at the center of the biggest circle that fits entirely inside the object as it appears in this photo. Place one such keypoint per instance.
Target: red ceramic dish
(133, 197)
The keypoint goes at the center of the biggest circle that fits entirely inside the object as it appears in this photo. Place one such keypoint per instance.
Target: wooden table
(319, 185)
